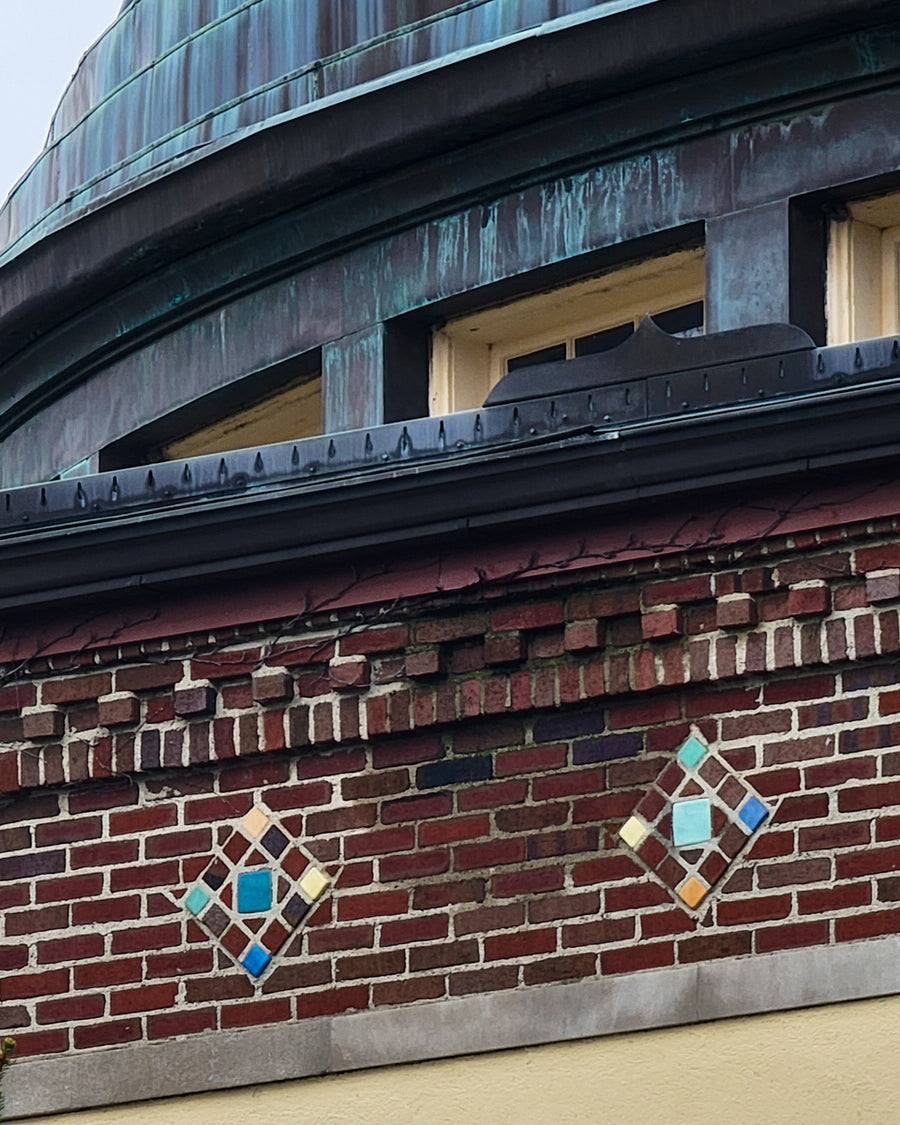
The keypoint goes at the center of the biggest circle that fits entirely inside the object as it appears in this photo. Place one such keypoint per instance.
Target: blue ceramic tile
(753, 813)
(691, 752)
(691, 822)
(254, 891)
(196, 900)
(255, 960)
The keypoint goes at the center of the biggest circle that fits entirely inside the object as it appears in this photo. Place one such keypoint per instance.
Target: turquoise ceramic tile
(691, 822)
(753, 813)
(692, 752)
(196, 900)
(254, 891)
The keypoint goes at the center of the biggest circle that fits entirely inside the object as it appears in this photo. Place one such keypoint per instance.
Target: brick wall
(462, 771)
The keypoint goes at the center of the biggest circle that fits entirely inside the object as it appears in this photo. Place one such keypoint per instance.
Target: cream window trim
(469, 354)
(863, 292)
(293, 412)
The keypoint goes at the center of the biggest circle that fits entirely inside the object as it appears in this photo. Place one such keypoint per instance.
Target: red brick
(407, 991)
(399, 839)
(145, 938)
(69, 887)
(332, 1001)
(748, 726)
(367, 965)
(538, 880)
(633, 958)
(563, 906)
(378, 904)
(71, 1009)
(145, 875)
(883, 586)
(583, 635)
(340, 820)
(429, 927)
(256, 1012)
(815, 568)
(736, 611)
(773, 783)
(119, 710)
(77, 948)
(492, 796)
(661, 923)
(535, 616)
(505, 648)
(491, 854)
(605, 869)
(414, 865)
(76, 689)
(181, 1023)
(484, 980)
(416, 808)
(678, 591)
(569, 784)
(856, 798)
(664, 621)
(26, 986)
(743, 912)
(254, 776)
(793, 873)
(454, 830)
(48, 722)
(110, 972)
(148, 677)
(872, 861)
(389, 638)
(602, 932)
(517, 944)
(107, 854)
(826, 900)
(792, 936)
(344, 937)
(424, 957)
(107, 1033)
(709, 947)
(406, 751)
(113, 794)
(437, 895)
(272, 687)
(489, 918)
(828, 836)
(532, 760)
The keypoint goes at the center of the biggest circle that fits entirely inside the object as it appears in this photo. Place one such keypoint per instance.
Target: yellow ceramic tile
(632, 832)
(255, 821)
(693, 892)
(314, 883)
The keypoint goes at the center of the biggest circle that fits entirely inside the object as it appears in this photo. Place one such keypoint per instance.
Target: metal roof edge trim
(567, 467)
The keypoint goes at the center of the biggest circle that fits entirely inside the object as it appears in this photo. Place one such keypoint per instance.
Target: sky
(41, 42)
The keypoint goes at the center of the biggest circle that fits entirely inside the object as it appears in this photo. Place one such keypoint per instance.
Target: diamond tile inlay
(256, 890)
(692, 823)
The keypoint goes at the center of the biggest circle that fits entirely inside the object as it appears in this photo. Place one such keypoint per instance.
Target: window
(283, 403)
(471, 353)
(294, 412)
(863, 296)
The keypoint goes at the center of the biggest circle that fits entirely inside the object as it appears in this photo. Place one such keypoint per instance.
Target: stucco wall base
(442, 1029)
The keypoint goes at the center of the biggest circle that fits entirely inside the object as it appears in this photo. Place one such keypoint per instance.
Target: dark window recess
(543, 355)
(687, 320)
(226, 405)
(603, 341)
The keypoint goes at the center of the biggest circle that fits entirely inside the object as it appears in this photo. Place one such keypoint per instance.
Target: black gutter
(837, 414)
